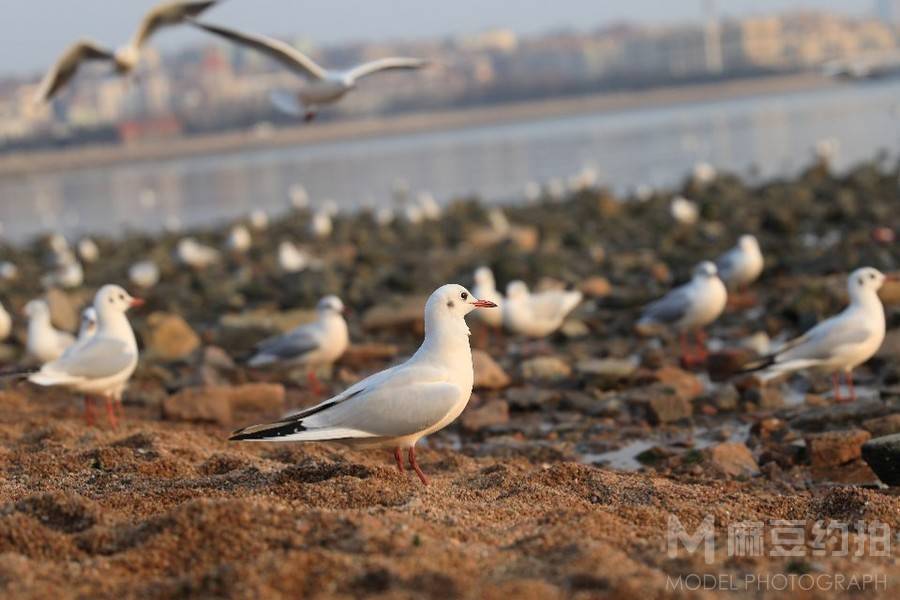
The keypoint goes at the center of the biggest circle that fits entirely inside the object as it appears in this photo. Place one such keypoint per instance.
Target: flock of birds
(321, 86)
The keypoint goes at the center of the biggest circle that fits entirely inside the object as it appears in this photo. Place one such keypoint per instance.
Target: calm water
(773, 134)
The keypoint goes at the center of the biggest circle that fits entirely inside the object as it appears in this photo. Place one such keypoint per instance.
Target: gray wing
(280, 51)
(823, 340)
(671, 308)
(725, 264)
(67, 65)
(386, 64)
(168, 13)
(289, 346)
(99, 357)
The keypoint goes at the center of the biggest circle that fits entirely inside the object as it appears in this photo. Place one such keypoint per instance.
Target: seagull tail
(768, 367)
(286, 102)
(18, 373)
(294, 431)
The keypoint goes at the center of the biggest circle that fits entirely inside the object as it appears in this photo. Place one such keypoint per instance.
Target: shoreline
(86, 157)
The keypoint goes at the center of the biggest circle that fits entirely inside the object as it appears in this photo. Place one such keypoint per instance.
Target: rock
(595, 287)
(882, 426)
(266, 397)
(852, 473)
(732, 459)
(726, 363)
(64, 309)
(574, 328)
(685, 384)
(494, 412)
(833, 448)
(211, 404)
(525, 238)
(528, 398)
(666, 405)
(361, 355)
(268, 320)
(488, 374)
(609, 369)
(890, 347)
(890, 292)
(169, 337)
(404, 313)
(764, 398)
(726, 398)
(883, 455)
(546, 368)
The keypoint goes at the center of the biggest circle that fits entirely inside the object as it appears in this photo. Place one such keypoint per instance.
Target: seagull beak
(484, 304)
(892, 277)
(136, 302)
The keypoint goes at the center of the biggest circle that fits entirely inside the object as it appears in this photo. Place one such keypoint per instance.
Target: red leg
(683, 345)
(700, 338)
(399, 459)
(89, 410)
(850, 385)
(836, 381)
(110, 413)
(120, 409)
(415, 465)
(314, 384)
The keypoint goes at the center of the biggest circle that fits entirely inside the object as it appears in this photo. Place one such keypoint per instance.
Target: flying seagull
(323, 86)
(126, 58)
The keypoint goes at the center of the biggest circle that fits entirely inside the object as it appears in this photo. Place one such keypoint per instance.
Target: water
(657, 146)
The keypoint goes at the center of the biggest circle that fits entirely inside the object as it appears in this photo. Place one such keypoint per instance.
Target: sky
(34, 32)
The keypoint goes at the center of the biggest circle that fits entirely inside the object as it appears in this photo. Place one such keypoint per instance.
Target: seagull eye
(122, 297)
(872, 276)
(464, 295)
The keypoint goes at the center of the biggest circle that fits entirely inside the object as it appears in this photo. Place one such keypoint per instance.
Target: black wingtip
(758, 364)
(19, 373)
(267, 431)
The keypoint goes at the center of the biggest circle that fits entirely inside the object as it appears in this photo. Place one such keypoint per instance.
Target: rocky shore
(561, 478)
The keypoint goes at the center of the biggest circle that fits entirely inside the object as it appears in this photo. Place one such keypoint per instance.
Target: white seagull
(486, 289)
(323, 86)
(126, 58)
(839, 344)
(5, 323)
(239, 239)
(292, 259)
(690, 307)
(144, 273)
(741, 265)
(88, 250)
(192, 253)
(313, 345)
(536, 315)
(103, 363)
(45, 343)
(400, 405)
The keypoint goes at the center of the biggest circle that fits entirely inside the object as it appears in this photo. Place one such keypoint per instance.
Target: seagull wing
(825, 340)
(67, 65)
(401, 401)
(386, 64)
(554, 304)
(98, 358)
(290, 346)
(726, 263)
(280, 51)
(671, 308)
(168, 13)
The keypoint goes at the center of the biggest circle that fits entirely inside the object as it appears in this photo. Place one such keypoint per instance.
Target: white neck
(445, 337)
(115, 325)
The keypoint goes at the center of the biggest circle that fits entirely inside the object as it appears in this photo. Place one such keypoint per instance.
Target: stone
(210, 404)
(494, 412)
(609, 369)
(883, 455)
(727, 363)
(362, 355)
(832, 448)
(882, 426)
(856, 472)
(666, 405)
(525, 238)
(596, 287)
(266, 397)
(546, 368)
(403, 313)
(268, 320)
(169, 337)
(726, 398)
(763, 398)
(488, 374)
(890, 292)
(732, 459)
(574, 328)
(685, 384)
(890, 347)
(529, 398)
(64, 308)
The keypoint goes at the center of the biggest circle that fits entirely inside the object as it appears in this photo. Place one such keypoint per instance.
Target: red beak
(136, 302)
(484, 304)
(892, 277)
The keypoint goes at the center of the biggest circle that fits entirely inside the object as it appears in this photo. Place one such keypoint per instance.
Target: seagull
(486, 288)
(741, 265)
(144, 273)
(395, 407)
(88, 250)
(126, 58)
(259, 220)
(298, 197)
(239, 239)
(192, 253)
(69, 275)
(323, 86)
(5, 323)
(103, 363)
(536, 315)
(690, 307)
(291, 259)
(8, 271)
(839, 344)
(87, 327)
(45, 343)
(316, 344)
(684, 211)
(320, 225)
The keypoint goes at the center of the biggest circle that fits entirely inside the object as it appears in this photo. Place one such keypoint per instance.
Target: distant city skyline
(34, 33)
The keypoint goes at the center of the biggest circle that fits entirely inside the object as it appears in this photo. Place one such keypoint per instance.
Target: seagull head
(748, 243)
(36, 308)
(705, 270)
(864, 280)
(453, 300)
(330, 305)
(516, 290)
(112, 299)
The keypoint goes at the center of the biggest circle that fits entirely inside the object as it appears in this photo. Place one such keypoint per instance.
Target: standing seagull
(536, 315)
(398, 406)
(126, 58)
(313, 345)
(690, 307)
(323, 86)
(486, 289)
(741, 265)
(104, 362)
(45, 342)
(839, 344)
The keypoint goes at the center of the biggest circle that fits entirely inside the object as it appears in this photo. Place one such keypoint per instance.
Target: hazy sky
(33, 32)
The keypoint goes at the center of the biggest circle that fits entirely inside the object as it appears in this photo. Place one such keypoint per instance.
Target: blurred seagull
(239, 239)
(298, 197)
(291, 259)
(88, 250)
(5, 323)
(144, 273)
(313, 345)
(126, 58)
(400, 405)
(536, 315)
(8, 270)
(323, 86)
(486, 289)
(103, 363)
(839, 344)
(690, 307)
(320, 226)
(45, 343)
(741, 265)
(684, 211)
(259, 220)
(194, 254)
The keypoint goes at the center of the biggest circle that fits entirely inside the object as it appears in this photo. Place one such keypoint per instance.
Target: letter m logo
(704, 534)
